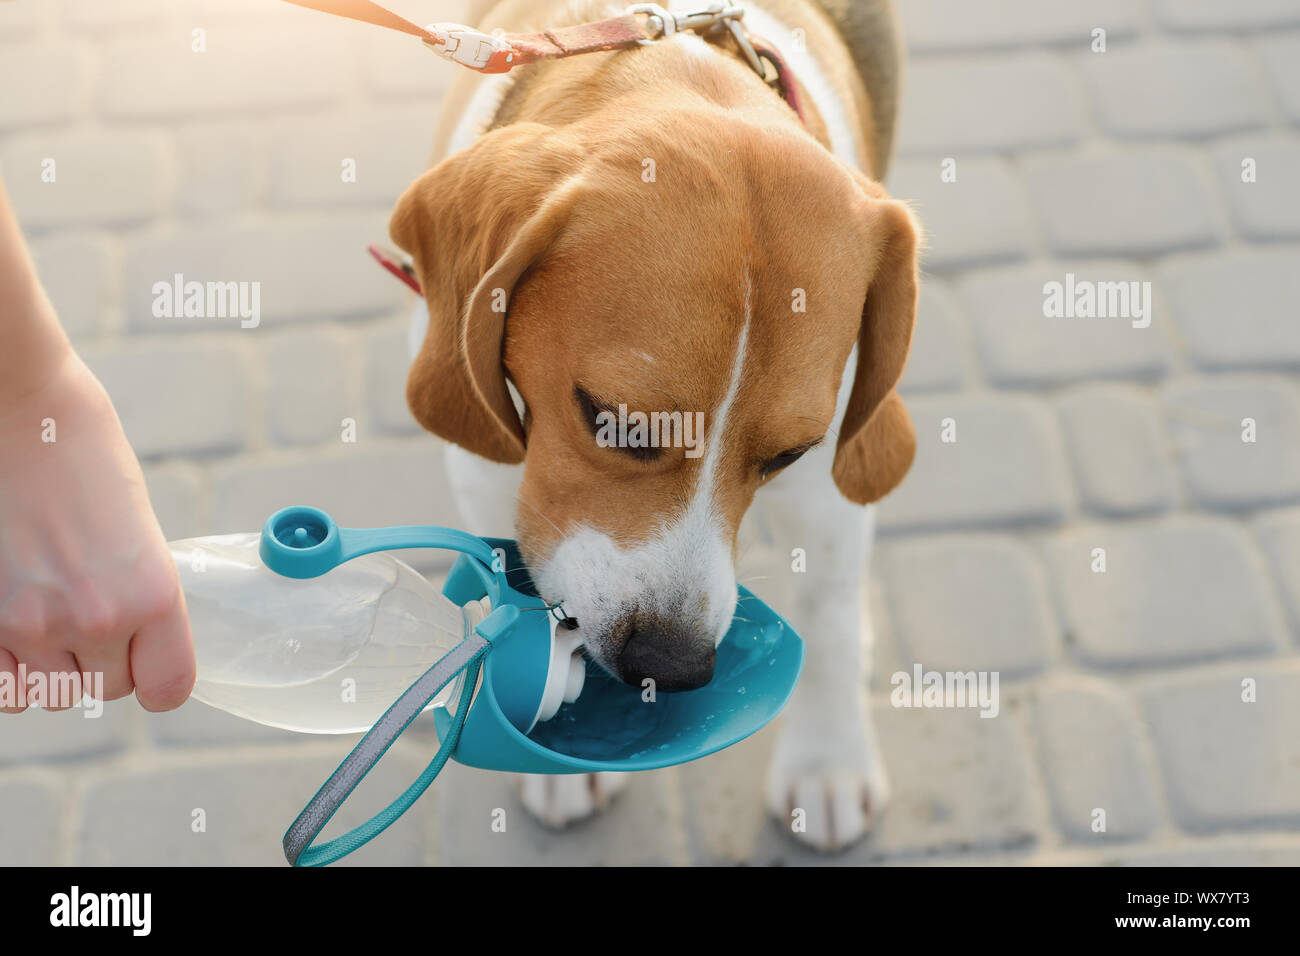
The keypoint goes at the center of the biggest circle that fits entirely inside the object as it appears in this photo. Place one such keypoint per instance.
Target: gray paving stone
(1181, 590)
(146, 817)
(1210, 15)
(29, 823)
(939, 343)
(960, 782)
(308, 387)
(138, 164)
(100, 17)
(1200, 88)
(387, 360)
(187, 397)
(1274, 850)
(725, 814)
(641, 827)
(1269, 207)
(931, 25)
(980, 218)
(175, 491)
(307, 267)
(945, 105)
(1281, 57)
(1128, 202)
(1279, 537)
(386, 151)
(1226, 762)
(400, 70)
(234, 13)
(1018, 345)
(79, 273)
(960, 785)
(38, 736)
(1122, 465)
(219, 168)
(969, 603)
(194, 724)
(157, 76)
(886, 657)
(1089, 744)
(1220, 470)
(20, 19)
(1006, 466)
(369, 484)
(1237, 309)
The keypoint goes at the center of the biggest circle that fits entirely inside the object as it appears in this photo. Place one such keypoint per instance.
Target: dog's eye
(589, 409)
(595, 413)
(783, 460)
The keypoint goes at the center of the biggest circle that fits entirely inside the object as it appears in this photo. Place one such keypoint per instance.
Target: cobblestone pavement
(1121, 691)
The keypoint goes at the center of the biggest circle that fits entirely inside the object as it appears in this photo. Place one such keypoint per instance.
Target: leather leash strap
(500, 53)
(495, 53)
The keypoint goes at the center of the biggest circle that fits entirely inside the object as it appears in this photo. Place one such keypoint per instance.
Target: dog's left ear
(877, 442)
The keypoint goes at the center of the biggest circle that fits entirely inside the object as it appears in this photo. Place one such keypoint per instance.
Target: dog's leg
(827, 758)
(485, 493)
(558, 799)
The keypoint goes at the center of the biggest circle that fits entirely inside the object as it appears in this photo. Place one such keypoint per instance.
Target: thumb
(162, 659)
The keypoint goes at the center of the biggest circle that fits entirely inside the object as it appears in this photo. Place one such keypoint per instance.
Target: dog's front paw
(560, 799)
(826, 794)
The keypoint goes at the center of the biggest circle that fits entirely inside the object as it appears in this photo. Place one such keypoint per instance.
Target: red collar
(642, 23)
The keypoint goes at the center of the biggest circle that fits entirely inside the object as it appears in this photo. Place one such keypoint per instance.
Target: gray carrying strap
(368, 752)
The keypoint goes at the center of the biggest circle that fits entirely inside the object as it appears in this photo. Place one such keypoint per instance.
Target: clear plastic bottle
(324, 655)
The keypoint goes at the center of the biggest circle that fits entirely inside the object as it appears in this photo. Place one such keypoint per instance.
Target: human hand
(86, 581)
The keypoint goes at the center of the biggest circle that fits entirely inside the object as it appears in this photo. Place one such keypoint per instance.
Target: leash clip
(472, 48)
(663, 23)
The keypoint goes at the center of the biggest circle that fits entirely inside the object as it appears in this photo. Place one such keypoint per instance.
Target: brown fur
(600, 266)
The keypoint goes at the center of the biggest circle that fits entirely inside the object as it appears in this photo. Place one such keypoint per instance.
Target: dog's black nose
(674, 661)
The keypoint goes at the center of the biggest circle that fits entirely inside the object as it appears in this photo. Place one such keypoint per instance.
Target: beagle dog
(656, 228)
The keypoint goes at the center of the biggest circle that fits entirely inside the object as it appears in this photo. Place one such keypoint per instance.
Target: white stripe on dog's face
(679, 584)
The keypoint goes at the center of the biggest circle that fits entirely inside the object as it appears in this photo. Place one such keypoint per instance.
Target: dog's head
(690, 263)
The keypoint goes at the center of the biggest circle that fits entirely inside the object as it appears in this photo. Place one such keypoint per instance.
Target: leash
(501, 52)
(642, 23)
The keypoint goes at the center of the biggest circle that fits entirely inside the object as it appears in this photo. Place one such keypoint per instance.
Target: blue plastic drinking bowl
(611, 726)
(491, 719)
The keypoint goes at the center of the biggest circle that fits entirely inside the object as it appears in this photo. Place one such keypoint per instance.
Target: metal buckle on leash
(472, 48)
(714, 18)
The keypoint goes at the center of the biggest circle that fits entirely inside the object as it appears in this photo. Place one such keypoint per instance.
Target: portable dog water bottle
(307, 627)
(329, 654)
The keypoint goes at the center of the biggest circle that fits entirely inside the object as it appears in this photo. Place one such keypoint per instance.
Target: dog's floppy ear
(876, 441)
(474, 224)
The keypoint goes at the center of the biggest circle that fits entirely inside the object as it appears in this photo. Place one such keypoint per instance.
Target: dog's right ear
(474, 224)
